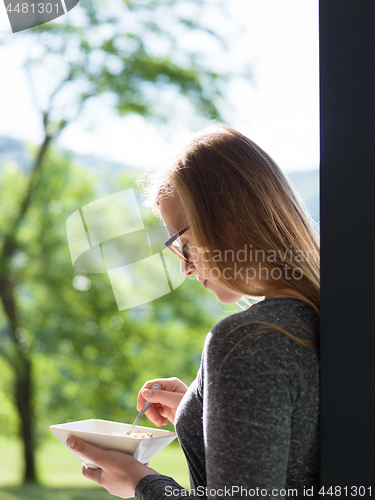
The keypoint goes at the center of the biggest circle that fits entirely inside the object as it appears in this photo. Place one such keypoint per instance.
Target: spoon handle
(146, 406)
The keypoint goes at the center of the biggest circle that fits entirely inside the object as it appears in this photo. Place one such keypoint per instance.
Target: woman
(249, 423)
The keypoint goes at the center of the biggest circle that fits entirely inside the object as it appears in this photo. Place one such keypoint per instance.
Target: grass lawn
(60, 472)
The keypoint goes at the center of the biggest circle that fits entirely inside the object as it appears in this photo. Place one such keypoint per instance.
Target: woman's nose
(188, 268)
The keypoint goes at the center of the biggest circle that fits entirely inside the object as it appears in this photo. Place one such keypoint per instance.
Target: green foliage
(67, 355)
(82, 366)
(133, 53)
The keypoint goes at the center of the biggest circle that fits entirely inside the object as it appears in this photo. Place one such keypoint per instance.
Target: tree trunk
(21, 364)
(23, 396)
(20, 361)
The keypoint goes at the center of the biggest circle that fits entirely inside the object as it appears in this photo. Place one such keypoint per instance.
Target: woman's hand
(118, 474)
(165, 400)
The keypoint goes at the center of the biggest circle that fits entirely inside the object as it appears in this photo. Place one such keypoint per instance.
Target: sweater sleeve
(159, 487)
(247, 408)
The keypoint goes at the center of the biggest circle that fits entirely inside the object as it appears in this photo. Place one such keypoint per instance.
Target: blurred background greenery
(66, 352)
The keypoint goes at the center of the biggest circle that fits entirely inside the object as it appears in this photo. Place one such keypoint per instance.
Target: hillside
(305, 183)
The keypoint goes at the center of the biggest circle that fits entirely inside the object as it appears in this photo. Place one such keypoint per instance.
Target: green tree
(134, 55)
(86, 358)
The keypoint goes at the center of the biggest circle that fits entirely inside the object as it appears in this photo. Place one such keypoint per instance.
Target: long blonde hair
(237, 201)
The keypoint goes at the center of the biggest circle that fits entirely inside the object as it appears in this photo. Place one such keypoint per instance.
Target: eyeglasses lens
(177, 250)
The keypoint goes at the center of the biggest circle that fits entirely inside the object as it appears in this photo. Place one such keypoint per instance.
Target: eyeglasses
(175, 246)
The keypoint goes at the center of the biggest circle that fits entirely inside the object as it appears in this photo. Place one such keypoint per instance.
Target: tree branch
(9, 243)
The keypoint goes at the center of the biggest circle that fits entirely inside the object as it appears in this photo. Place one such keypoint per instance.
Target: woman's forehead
(172, 213)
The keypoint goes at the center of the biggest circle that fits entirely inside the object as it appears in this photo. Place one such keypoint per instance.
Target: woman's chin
(227, 298)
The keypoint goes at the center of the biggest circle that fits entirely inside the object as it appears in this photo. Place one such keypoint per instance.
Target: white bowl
(100, 433)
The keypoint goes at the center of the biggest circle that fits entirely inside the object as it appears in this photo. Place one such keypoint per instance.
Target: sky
(278, 107)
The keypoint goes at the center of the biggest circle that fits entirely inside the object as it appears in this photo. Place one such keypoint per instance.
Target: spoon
(146, 406)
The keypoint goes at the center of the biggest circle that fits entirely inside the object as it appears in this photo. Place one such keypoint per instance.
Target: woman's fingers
(164, 401)
(92, 474)
(164, 414)
(155, 416)
(165, 398)
(172, 384)
(94, 454)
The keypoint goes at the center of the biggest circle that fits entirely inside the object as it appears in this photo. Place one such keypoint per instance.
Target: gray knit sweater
(249, 423)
